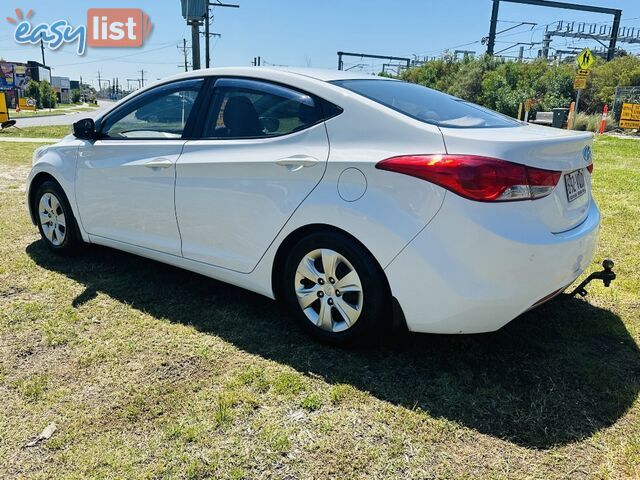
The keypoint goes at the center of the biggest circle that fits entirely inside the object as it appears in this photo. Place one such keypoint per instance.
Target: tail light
(477, 178)
(590, 168)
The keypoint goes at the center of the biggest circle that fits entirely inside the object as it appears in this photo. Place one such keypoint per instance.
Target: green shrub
(47, 95)
(581, 122)
(591, 123)
(32, 90)
(501, 85)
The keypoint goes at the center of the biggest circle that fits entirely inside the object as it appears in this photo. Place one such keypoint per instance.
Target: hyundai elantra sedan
(355, 200)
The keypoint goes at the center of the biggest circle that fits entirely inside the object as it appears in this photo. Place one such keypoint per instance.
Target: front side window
(243, 108)
(161, 113)
(427, 105)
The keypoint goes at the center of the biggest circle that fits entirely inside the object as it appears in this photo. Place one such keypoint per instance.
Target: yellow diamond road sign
(585, 59)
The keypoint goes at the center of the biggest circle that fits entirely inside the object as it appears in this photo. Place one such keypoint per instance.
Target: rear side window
(244, 108)
(427, 105)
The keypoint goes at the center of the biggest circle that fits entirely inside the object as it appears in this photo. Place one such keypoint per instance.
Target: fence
(624, 95)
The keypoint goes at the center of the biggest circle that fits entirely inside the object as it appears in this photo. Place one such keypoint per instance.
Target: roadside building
(14, 77)
(62, 88)
(39, 72)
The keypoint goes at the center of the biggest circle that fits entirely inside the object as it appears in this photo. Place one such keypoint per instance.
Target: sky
(302, 33)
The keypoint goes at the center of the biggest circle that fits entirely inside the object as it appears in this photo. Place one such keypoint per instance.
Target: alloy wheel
(52, 219)
(329, 290)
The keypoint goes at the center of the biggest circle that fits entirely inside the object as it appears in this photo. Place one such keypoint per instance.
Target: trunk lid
(540, 147)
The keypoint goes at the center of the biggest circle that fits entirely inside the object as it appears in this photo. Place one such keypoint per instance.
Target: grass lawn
(152, 372)
(59, 109)
(53, 131)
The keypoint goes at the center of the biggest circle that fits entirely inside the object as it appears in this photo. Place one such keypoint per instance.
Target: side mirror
(85, 129)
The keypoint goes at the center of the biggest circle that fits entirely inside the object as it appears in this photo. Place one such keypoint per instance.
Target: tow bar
(607, 276)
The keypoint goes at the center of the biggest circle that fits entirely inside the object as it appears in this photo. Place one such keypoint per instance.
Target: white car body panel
(500, 263)
(233, 197)
(59, 162)
(454, 265)
(536, 146)
(122, 198)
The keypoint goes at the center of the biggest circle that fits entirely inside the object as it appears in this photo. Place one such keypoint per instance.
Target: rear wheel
(335, 289)
(55, 219)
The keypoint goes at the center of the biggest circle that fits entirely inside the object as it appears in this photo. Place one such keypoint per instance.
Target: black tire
(71, 240)
(375, 318)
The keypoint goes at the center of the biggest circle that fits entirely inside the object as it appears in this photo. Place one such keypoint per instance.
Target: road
(63, 119)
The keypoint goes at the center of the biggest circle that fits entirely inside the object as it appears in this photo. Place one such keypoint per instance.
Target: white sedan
(352, 199)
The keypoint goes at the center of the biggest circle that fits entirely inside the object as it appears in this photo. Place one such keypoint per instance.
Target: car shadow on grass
(553, 376)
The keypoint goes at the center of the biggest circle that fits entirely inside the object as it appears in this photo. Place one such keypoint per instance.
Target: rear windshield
(427, 105)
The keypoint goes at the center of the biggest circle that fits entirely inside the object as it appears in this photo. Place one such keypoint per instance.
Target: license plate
(576, 186)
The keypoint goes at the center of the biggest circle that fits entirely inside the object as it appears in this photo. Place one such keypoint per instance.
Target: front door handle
(297, 162)
(159, 163)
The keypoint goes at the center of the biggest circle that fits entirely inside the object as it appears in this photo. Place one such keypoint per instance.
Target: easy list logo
(106, 27)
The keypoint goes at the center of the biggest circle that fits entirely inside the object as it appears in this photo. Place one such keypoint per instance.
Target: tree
(468, 82)
(76, 97)
(32, 90)
(47, 95)
(502, 85)
(606, 76)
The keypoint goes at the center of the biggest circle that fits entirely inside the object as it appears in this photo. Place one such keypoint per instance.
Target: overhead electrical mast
(616, 13)
(196, 13)
(406, 61)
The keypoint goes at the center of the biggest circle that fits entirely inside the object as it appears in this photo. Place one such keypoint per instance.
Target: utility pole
(492, 27)
(99, 84)
(208, 35)
(195, 44)
(207, 56)
(216, 3)
(257, 61)
(142, 78)
(42, 50)
(184, 52)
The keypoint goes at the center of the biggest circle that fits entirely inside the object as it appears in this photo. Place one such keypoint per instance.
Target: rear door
(264, 148)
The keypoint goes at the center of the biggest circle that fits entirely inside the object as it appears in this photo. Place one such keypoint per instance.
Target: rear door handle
(297, 162)
(159, 163)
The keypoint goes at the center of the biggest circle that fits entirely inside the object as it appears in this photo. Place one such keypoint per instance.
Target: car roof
(301, 77)
(325, 75)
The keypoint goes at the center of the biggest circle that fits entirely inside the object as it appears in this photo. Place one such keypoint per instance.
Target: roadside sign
(4, 111)
(585, 59)
(630, 115)
(580, 83)
(27, 103)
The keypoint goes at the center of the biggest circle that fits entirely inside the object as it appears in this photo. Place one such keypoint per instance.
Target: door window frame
(136, 102)
(322, 107)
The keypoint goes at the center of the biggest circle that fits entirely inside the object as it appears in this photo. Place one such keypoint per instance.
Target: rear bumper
(477, 266)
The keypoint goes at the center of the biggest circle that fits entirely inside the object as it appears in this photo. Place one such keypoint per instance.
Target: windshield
(427, 105)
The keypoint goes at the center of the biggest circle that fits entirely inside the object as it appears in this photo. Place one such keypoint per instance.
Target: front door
(126, 179)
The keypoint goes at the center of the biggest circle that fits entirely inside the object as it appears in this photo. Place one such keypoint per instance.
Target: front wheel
(335, 289)
(55, 219)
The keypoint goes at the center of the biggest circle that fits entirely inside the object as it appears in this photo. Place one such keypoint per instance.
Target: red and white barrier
(603, 123)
